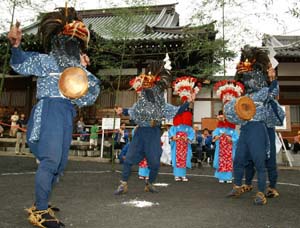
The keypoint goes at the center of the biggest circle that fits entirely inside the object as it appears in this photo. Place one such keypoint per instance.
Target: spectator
(121, 137)
(296, 143)
(166, 147)
(13, 127)
(1, 131)
(197, 143)
(207, 145)
(80, 129)
(21, 134)
(94, 136)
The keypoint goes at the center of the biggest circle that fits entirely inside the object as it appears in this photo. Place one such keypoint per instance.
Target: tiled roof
(159, 22)
(285, 46)
(287, 40)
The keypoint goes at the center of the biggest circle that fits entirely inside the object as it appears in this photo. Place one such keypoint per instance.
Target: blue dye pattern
(47, 71)
(145, 111)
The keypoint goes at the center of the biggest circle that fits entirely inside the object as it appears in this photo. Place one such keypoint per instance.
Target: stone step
(282, 158)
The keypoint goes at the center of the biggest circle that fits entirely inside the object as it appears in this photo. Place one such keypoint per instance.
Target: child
(181, 135)
(144, 170)
(226, 138)
(94, 136)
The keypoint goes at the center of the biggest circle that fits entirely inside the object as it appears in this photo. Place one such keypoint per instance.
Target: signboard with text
(110, 123)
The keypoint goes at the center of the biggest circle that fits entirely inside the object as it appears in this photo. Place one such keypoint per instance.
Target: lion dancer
(50, 126)
(271, 163)
(254, 144)
(148, 113)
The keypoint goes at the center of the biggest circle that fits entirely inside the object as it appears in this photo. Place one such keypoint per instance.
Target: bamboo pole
(223, 36)
(5, 64)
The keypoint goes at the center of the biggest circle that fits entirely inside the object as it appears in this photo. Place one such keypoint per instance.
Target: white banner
(111, 123)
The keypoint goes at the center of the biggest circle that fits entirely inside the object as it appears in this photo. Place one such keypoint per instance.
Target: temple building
(287, 53)
(123, 42)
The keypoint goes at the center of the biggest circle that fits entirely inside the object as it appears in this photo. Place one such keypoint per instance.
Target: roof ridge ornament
(167, 62)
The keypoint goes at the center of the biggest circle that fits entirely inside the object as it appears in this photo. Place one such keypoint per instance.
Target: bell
(73, 82)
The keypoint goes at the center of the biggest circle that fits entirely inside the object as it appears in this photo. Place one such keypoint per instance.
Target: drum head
(245, 108)
(73, 82)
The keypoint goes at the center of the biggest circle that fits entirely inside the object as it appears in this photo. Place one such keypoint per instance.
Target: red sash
(143, 163)
(181, 150)
(225, 154)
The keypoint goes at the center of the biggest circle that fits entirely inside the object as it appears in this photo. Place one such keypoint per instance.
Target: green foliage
(118, 50)
(237, 21)
(203, 53)
(4, 44)
(199, 54)
(29, 43)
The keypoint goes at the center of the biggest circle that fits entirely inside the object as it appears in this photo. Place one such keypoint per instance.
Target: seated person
(1, 131)
(207, 145)
(121, 137)
(296, 143)
(197, 143)
(80, 129)
(286, 144)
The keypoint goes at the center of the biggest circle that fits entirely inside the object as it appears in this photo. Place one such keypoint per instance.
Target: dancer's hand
(15, 35)
(192, 97)
(271, 74)
(229, 139)
(217, 137)
(84, 60)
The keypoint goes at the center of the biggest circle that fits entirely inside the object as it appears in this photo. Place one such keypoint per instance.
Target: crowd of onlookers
(202, 145)
(296, 146)
(17, 129)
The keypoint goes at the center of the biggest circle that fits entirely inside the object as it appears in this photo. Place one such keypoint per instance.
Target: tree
(12, 6)
(239, 21)
(199, 55)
